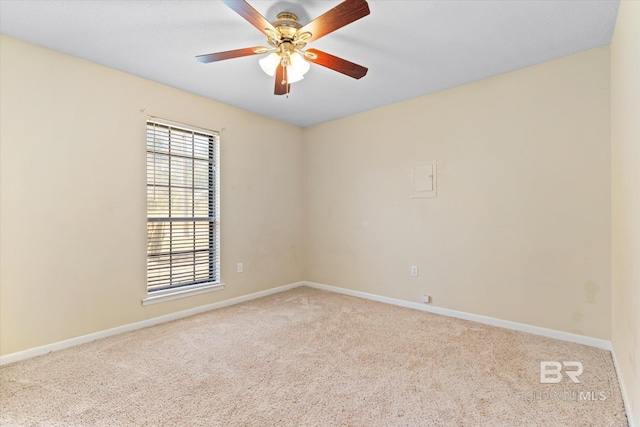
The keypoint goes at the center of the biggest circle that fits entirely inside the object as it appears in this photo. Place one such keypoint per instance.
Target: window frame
(213, 282)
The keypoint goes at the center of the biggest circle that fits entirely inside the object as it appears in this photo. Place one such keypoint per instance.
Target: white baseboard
(625, 395)
(60, 345)
(566, 336)
(507, 324)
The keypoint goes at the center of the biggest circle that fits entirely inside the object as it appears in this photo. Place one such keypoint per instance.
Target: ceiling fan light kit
(287, 37)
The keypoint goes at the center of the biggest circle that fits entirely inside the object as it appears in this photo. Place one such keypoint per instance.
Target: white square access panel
(424, 182)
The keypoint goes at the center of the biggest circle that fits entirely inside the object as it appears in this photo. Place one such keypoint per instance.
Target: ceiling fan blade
(337, 64)
(229, 54)
(341, 15)
(281, 88)
(254, 17)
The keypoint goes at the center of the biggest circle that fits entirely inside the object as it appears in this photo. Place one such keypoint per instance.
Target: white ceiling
(411, 48)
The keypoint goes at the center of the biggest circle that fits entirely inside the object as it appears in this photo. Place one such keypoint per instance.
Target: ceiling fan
(287, 38)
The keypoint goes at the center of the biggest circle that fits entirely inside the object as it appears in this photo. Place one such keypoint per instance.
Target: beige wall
(72, 188)
(520, 229)
(625, 137)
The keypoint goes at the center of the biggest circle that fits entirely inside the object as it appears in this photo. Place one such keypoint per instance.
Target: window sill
(187, 291)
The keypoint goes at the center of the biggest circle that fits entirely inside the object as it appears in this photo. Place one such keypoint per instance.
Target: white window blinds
(183, 233)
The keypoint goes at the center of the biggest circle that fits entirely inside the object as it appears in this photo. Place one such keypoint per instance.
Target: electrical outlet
(426, 299)
(414, 270)
(240, 267)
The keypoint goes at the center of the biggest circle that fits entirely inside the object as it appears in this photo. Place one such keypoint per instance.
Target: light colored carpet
(311, 358)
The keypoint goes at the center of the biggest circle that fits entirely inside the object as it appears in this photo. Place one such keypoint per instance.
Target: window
(183, 233)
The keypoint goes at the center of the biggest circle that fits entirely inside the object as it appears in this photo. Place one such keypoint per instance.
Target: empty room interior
(438, 225)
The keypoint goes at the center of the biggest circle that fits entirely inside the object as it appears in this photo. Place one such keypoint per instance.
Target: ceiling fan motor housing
(287, 40)
(287, 24)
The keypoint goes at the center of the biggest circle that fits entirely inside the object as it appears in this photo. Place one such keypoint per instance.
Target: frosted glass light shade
(292, 76)
(299, 64)
(269, 63)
